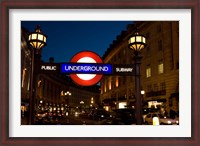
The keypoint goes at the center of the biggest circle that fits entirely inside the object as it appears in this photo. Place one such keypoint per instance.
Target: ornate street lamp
(37, 40)
(137, 42)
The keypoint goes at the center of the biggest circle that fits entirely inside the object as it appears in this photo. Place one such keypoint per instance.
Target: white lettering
(86, 68)
(124, 69)
(43, 67)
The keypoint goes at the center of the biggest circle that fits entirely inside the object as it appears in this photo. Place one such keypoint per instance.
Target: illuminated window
(148, 72)
(28, 85)
(109, 84)
(104, 87)
(160, 68)
(23, 76)
(117, 82)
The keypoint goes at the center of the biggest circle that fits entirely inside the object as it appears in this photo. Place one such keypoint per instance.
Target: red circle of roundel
(78, 80)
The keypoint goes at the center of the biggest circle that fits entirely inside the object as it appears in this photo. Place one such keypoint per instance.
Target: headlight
(177, 122)
(169, 122)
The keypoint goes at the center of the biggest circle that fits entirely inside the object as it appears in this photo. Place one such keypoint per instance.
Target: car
(99, 114)
(41, 115)
(163, 120)
(145, 111)
(122, 117)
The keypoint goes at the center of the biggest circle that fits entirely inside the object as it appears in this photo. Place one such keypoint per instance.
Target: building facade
(59, 93)
(159, 67)
(53, 92)
(25, 71)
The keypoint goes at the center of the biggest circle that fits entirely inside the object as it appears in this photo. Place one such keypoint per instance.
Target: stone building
(58, 92)
(159, 67)
(25, 71)
(53, 92)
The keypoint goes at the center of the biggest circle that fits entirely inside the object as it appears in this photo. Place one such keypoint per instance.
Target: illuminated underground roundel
(86, 79)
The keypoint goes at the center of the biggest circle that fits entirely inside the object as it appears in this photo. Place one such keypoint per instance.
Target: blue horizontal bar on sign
(86, 68)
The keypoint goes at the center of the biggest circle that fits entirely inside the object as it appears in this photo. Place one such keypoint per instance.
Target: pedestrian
(172, 114)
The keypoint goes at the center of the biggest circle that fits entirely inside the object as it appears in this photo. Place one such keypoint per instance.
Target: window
(149, 88)
(162, 86)
(160, 67)
(105, 87)
(148, 72)
(23, 76)
(155, 87)
(110, 84)
(117, 82)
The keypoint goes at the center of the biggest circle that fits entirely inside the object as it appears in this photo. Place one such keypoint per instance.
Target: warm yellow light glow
(22, 108)
(106, 108)
(34, 36)
(142, 92)
(138, 38)
(37, 39)
(122, 104)
(105, 88)
(61, 93)
(155, 121)
(23, 76)
(137, 42)
(148, 72)
(109, 84)
(144, 40)
(160, 68)
(117, 82)
(40, 37)
(39, 83)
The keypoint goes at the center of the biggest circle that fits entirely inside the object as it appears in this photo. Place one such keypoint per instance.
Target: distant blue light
(86, 68)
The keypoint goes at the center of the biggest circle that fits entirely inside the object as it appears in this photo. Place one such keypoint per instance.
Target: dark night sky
(66, 38)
